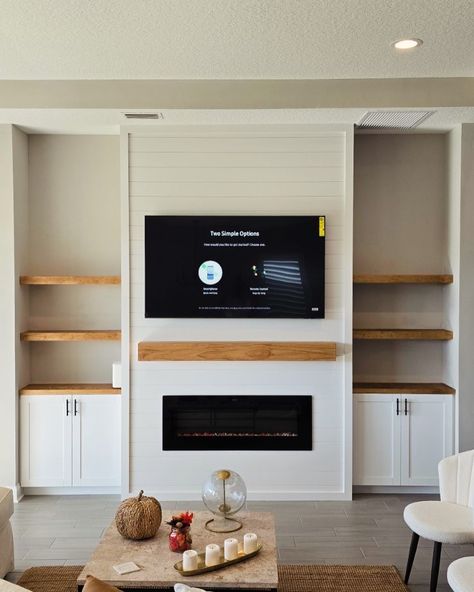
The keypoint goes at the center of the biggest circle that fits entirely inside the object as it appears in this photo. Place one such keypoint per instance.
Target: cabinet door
(376, 440)
(45, 440)
(96, 440)
(427, 437)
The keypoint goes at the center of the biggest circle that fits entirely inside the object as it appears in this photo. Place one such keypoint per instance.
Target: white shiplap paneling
(258, 171)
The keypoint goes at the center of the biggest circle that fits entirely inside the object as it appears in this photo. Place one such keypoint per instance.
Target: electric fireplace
(237, 422)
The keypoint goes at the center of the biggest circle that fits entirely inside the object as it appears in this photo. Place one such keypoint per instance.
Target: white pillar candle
(190, 560)
(231, 549)
(250, 542)
(213, 553)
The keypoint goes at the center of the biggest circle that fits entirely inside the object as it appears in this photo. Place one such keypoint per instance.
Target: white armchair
(461, 575)
(450, 520)
(6, 536)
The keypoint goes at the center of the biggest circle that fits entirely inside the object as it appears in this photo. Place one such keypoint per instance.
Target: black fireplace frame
(303, 440)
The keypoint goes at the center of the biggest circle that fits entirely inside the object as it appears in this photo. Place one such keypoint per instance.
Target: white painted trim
(222, 130)
(256, 496)
(18, 493)
(454, 160)
(348, 309)
(125, 311)
(395, 489)
(71, 490)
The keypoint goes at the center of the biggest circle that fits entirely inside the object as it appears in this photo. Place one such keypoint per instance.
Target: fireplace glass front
(237, 422)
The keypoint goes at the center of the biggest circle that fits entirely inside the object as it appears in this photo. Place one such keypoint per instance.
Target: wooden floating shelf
(403, 279)
(195, 351)
(404, 334)
(82, 388)
(68, 280)
(95, 335)
(404, 388)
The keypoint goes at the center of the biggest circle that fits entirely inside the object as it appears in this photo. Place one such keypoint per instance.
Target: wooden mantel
(243, 351)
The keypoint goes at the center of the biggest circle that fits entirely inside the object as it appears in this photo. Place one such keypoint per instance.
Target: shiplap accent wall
(260, 170)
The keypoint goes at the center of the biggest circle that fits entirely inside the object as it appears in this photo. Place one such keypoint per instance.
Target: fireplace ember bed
(237, 422)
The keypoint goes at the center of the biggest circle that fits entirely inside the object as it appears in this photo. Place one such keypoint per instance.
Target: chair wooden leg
(411, 555)
(435, 566)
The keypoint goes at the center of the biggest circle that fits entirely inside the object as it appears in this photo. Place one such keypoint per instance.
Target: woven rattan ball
(139, 517)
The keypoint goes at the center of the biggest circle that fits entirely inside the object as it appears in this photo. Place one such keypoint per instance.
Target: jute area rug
(292, 578)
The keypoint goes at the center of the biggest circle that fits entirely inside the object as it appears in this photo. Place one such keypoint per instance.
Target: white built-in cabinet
(70, 440)
(400, 439)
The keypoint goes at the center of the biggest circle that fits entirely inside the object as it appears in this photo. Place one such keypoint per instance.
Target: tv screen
(234, 266)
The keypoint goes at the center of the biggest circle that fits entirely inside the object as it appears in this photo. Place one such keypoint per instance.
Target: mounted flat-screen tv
(234, 266)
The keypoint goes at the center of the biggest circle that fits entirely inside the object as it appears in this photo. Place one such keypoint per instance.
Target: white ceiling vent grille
(393, 119)
(144, 115)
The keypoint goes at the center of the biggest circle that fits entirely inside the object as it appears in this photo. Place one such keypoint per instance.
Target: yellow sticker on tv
(322, 226)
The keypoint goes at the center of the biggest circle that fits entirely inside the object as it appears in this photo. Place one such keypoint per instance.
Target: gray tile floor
(64, 530)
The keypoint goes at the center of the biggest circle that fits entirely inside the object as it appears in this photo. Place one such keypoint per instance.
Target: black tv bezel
(233, 217)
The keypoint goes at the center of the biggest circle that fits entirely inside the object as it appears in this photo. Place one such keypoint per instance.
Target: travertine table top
(157, 561)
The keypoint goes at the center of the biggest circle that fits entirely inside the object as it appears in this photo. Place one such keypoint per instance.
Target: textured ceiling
(206, 39)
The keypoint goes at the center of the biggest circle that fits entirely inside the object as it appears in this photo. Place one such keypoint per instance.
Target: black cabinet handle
(406, 406)
(398, 406)
(67, 407)
(75, 407)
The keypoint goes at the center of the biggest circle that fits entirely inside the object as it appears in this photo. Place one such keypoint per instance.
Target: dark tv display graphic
(234, 266)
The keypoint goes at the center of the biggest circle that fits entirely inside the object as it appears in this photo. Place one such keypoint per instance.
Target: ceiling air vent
(144, 115)
(393, 119)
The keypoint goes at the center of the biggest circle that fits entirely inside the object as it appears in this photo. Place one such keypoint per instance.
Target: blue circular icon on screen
(210, 273)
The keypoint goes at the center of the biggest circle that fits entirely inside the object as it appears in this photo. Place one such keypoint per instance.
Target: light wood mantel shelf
(404, 388)
(94, 335)
(291, 351)
(403, 279)
(65, 280)
(83, 388)
(404, 334)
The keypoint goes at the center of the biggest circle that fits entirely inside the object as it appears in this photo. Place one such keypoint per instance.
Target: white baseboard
(17, 493)
(395, 489)
(258, 496)
(71, 490)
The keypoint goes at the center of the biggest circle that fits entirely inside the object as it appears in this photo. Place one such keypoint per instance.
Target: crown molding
(237, 94)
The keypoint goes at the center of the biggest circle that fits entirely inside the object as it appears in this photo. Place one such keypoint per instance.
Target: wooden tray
(202, 568)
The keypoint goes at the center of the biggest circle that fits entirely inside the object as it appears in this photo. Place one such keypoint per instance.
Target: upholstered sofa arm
(6, 535)
(9, 587)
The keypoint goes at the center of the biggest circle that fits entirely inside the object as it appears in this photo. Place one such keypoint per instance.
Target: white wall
(7, 308)
(453, 189)
(466, 300)
(255, 170)
(14, 357)
(74, 219)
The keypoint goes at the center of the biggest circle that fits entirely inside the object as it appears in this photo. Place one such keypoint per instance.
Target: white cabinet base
(376, 440)
(427, 434)
(400, 439)
(96, 440)
(70, 440)
(395, 489)
(71, 491)
(45, 440)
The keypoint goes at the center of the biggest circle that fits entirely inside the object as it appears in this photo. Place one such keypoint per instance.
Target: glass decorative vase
(224, 493)
(180, 539)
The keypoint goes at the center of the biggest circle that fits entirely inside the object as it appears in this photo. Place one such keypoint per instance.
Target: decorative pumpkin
(139, 517)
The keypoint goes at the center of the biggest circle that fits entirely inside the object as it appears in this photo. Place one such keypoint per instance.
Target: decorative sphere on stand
(224, 493)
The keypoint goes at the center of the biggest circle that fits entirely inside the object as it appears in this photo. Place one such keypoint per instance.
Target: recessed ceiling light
(407, 43)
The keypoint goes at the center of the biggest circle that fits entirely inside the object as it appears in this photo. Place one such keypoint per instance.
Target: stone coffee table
(157, 561)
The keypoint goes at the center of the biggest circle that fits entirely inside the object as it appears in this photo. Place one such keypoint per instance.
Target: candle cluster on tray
(213, 552)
